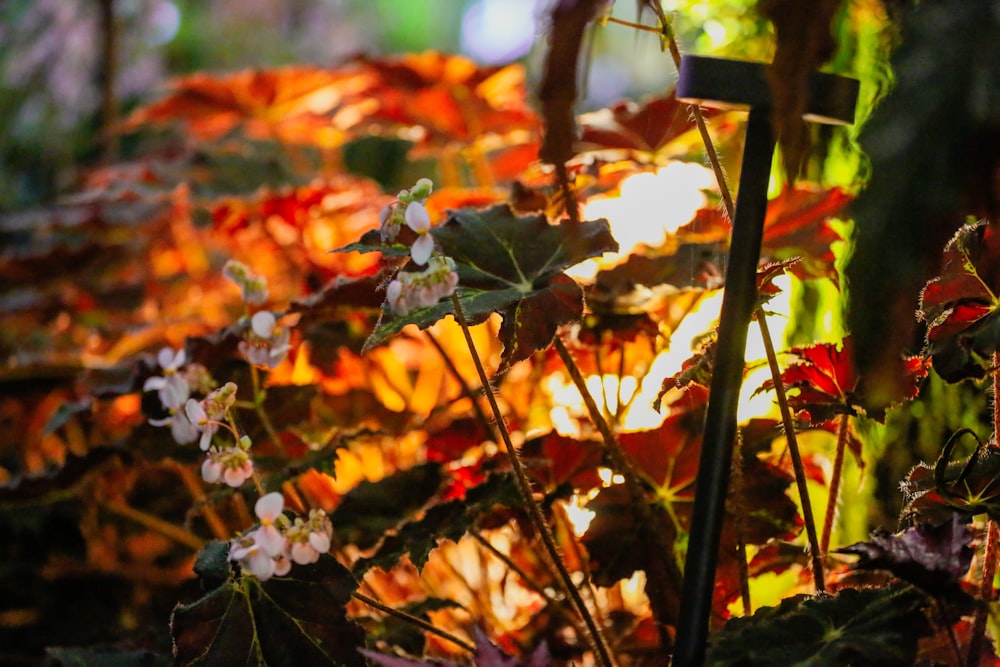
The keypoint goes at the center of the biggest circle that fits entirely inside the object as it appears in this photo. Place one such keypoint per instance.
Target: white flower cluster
(410, 289)
(191, 419)
(271, 548)
(419, 290)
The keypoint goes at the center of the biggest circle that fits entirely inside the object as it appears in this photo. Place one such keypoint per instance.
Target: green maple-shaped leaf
(299, 619)
(861, 627)
(508, 265)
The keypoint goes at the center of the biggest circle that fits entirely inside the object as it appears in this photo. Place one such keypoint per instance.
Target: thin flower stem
(156, 524)
(985, 594)
(602, 652)
(414, 620)
(195, 487)
(816, 550)
(843, 432)
(259, 395)
(569, 196)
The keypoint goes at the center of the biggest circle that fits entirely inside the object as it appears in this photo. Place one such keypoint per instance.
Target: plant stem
(414, 620)
(602, 652)
(816, 551)
(990, 552)
(156, 524)
(195, 487)
(259, 396)
(843, 432)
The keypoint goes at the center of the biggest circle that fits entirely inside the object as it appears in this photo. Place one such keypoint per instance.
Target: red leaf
(960, 304)
(635, 130)
(825, 382)
(797, 225)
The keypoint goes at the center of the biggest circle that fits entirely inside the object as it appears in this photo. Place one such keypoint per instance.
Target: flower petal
(263, 323)
(417, 217)
(422, 248)
(268, 507)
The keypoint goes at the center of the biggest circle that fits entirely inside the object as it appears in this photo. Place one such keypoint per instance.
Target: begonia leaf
(291, 104)
(449, 520)
(970, 487)
(667, 458)
(296, 619)
(797, 224)
(960, 305)
(512, 266)
(371, 509)
(449, 96)
(640, 131)
(824, 382)
(931, 557)
(871, 627)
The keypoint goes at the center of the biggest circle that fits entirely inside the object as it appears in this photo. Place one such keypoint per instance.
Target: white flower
(424, 289)
(231, 465)
(309, 540)
(252, 557)
(265, 344)
(419, 220)
(181, 428)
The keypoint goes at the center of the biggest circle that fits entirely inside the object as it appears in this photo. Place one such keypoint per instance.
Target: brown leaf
(558, 90)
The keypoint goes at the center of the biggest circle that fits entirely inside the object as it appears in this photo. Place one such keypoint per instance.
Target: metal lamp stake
(733, 84)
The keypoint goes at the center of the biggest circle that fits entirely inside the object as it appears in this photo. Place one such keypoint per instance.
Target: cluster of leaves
(381, 424)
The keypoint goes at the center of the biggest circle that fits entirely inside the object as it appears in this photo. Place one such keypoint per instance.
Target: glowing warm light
(579, 516)
(649, 206)
(610, 478)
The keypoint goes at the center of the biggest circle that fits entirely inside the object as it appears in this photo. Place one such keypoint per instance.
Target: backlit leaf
(960, 305)
(823, 382)
(797, 224)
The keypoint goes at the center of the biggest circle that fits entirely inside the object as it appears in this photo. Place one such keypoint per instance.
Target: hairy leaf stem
(414, 620)
(602, 652)
(816, 550)
(155, 523)
(990, 552)
(843, 432)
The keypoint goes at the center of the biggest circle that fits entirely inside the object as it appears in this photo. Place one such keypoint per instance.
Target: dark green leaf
(369, 510)
(447, 521)
(873, 627)
(295, 620)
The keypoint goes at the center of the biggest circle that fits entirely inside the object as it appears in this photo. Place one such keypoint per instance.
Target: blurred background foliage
(52, 67)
